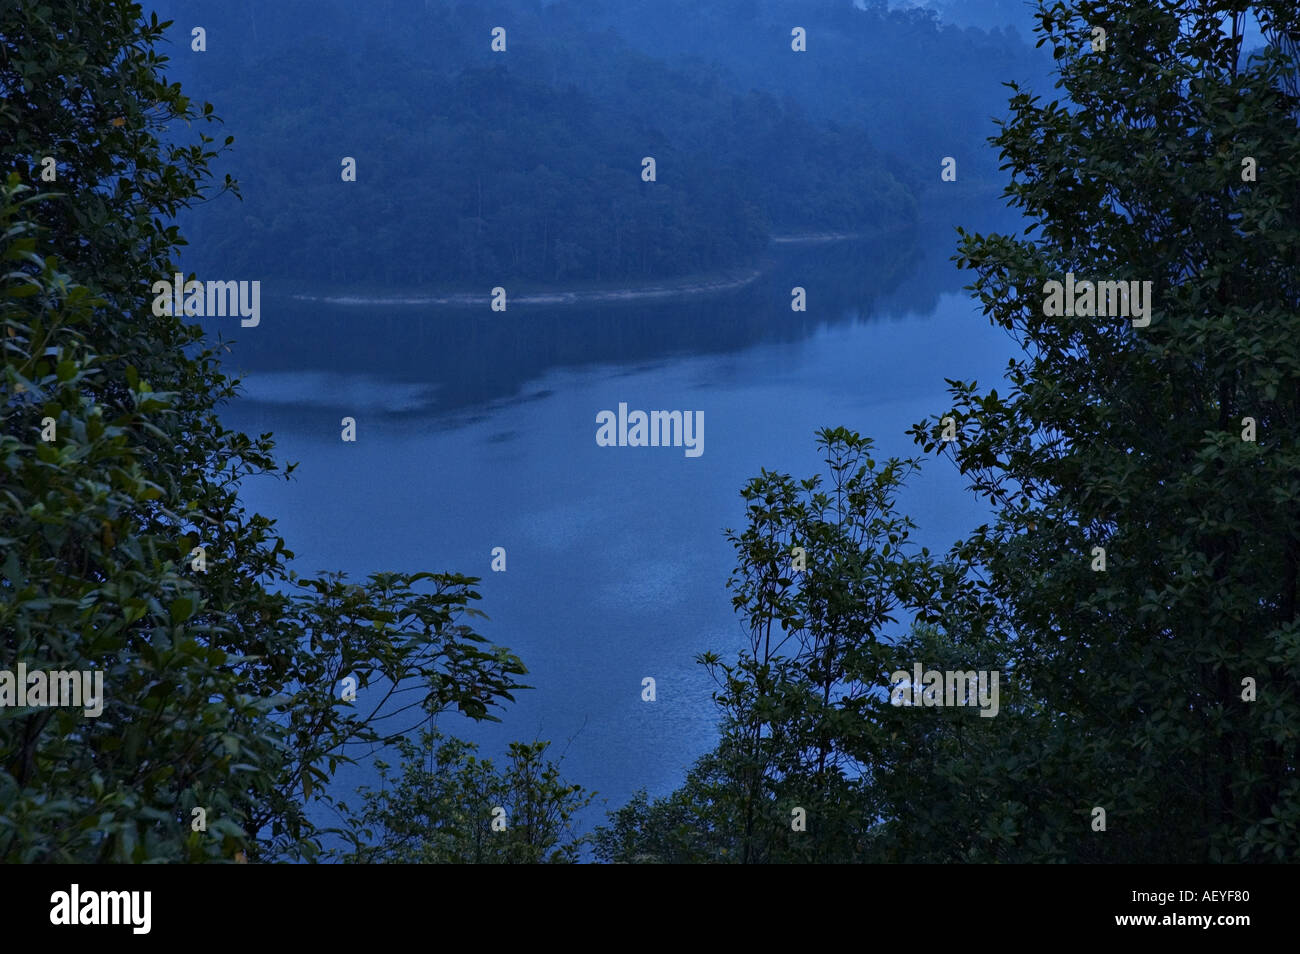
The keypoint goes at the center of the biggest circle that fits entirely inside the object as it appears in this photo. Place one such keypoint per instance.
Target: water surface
(477, 430)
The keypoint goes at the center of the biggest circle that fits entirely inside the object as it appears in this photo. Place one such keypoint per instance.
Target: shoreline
(579, 297)
(684, 287)
(817, 238)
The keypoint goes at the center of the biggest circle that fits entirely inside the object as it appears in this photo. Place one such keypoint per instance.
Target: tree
(127, 551)
(1136, 440)
(83, 588)
(799, 705)
(824, 568)
(462, 809)
(696, 824)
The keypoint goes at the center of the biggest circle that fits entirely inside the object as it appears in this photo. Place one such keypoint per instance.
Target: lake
(477, 429)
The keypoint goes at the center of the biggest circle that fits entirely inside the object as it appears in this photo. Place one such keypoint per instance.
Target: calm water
(477, 429)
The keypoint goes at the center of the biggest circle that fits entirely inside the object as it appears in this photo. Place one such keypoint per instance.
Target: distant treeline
(477, 167)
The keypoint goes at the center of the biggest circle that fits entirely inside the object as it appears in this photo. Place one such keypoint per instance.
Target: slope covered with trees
(525, 166)
(506, 178)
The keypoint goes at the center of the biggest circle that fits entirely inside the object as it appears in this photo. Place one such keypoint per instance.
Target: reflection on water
(477, 430)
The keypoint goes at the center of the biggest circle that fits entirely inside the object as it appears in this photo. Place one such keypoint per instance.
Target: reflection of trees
(474, 359)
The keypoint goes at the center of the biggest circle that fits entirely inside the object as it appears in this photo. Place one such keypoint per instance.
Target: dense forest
(1138, 584)
(526, 165)
(511, 179)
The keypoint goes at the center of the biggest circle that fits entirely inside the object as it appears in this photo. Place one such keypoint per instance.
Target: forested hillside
(527, 165)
